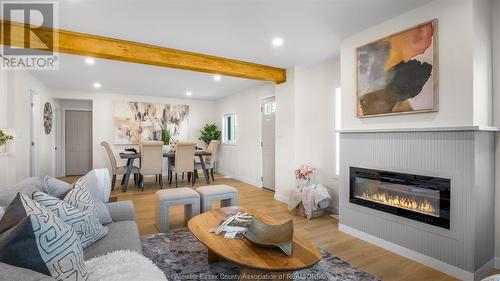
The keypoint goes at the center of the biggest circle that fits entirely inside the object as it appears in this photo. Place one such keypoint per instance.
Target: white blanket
(312, 197)
(123, 266)
(295, 199)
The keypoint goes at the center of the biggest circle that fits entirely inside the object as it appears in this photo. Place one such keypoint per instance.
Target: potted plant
(209, 133)
(4, 138)
(165, 136)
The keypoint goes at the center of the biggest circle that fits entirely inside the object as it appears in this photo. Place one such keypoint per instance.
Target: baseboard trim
(497, 262)
(405, 252)
(281, 198)
(333, 210)
(484, 270)
(255, 183)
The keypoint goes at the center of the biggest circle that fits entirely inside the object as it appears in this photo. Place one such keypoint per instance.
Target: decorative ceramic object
(3, 148)
(271, 236)
(47, 118)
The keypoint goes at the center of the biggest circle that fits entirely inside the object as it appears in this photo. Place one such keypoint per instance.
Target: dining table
(130, 157)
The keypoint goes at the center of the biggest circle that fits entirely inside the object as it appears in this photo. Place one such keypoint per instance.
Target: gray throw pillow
(81, 198)
(55, 187)
(100, 209)
(98, 183)
(32, 237)
(86, 225)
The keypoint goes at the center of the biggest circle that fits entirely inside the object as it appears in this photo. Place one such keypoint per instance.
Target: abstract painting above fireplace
(421, 198)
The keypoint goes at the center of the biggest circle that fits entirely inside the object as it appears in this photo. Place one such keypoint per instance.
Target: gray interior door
(78, 143)
(268, 112)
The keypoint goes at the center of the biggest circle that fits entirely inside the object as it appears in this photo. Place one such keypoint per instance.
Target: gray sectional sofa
(123, 232)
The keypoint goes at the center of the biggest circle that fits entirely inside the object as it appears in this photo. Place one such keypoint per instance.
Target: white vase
(3, 148)
(303, 183)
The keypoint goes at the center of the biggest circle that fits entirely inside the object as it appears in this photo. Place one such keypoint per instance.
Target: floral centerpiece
(304, 174)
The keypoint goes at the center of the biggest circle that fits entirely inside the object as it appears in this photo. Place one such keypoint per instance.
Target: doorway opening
(74, 142)
(268, 127)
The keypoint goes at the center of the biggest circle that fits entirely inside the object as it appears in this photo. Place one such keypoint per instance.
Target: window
(337, 128)
(229, 127)
(269, 108)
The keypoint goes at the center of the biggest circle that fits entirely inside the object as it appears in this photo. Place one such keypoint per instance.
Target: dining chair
(184, 160)
(151, 161)
(210, 160)
(118, 170)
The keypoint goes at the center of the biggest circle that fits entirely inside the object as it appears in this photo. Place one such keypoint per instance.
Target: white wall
(314, 121)
(455, 43)
(200, 113)
(496, 116)
(5, 158)
(305, 126)
(285, 137)
(482, 52)
(16, 115)
(243, 160)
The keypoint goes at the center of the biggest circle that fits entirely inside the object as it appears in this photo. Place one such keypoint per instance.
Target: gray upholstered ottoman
(175, 196)
(226, 194)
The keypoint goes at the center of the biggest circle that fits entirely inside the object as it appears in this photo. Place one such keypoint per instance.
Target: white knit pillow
(123, 265)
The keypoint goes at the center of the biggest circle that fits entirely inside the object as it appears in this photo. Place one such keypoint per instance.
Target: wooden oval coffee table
(256, 263)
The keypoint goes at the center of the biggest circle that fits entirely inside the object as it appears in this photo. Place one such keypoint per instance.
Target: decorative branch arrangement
(4, 137)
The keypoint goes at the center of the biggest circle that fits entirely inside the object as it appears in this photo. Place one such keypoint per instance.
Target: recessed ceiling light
(97, 85)
(188, 93)
(277, 42)
(90, 60)
(217, 77)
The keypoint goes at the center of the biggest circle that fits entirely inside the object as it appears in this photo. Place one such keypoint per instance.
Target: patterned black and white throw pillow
(32, 237)
(86, 225)
(89, 183)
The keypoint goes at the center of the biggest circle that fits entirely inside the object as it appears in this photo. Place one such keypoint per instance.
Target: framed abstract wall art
(398, 74)
(134, 122)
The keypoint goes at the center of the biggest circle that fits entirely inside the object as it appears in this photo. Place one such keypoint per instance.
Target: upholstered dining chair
(151, 161)
(184, 160)
(210, 160)
(118, 170)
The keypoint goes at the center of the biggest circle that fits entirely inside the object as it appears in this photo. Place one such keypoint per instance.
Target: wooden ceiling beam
(89, 45)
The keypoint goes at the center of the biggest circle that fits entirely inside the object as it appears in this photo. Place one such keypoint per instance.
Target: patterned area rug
(182, 257)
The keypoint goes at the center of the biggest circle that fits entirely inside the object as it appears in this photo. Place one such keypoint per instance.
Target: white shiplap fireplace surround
(463, 154)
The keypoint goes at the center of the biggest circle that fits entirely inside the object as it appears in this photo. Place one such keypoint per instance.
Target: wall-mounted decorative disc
(47, 118)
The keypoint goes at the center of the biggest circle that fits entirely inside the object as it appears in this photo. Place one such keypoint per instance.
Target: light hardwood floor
(322, 231)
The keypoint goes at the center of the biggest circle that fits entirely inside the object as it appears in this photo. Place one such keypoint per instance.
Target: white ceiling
(238, 29)
(137, 79)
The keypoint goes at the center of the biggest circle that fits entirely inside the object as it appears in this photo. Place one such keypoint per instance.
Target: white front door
(268, 112)
(78, 131)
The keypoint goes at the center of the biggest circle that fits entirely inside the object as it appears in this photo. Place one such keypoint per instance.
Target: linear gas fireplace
(421, 198)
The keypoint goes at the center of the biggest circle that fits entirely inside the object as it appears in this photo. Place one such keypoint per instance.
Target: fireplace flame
(421, 206)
